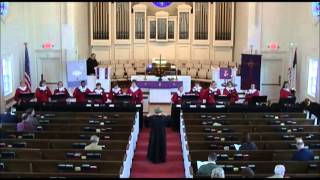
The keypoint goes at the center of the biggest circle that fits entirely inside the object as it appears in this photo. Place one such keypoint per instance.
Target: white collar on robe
(230, 89)
(23, 88)
(287, 89)
(82, 89)
(134, 89)
(180, 94)
(43, 88)
(116, 90)
(61, 89)
(198, 89)
(251, 91)
(213, 90)
(98, 91)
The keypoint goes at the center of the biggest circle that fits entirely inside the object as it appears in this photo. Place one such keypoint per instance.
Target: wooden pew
(257, 155)
(51, 166)
(247, 115)
(252, 128)
(256, 136)
(267, 167)
(261, 145)
(64, 144)
(110, 135)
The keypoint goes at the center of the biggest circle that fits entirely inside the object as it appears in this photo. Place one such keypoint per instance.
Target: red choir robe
(285, 93)
(232, 93)
(211, 93)
(80, 94)
(199, 91)
(19, 91)
(136, 95)
(43, 94)
(251, 93)
(62, 91)
(108, 97)
(177, 97)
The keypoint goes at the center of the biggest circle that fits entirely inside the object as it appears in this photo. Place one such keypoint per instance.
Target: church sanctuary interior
(159, 89)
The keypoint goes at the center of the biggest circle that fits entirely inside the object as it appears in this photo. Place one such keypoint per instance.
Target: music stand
(287, 101)
(222, 99)
(94, 97)
(27, 97)
(258, 100)
(122, 98)
(58, 97)
(189, 98)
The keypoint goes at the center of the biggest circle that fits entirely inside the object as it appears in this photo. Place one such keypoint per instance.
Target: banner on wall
(225, 73)
(250, 70)
(76, 72)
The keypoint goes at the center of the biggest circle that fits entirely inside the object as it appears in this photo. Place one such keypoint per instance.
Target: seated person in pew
(60, 90)
(43, 92)
(177, 96)
(98, 90)
(285, 92)
(94, 144)
(231, 92)
(217, 172)
(247, 144)
(81, 92)
(279, 171)
(303, 154)
(212, 92)
(135, 92)
(205, 170)
(28, 121)
(22, 89)
(247, 173)
(251, 93)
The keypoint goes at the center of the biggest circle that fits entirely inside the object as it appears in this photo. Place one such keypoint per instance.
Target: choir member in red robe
(81, 92)
(198, 90)
(43, 93)
(99, 91)
(251, 93)
(231, 92)
(136, 93)
(22, 89)
(285, 92)
(60, 90)
(177, 96)
(212, 92)
(115, 91)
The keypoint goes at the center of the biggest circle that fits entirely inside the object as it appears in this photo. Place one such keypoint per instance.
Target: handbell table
(160, 91)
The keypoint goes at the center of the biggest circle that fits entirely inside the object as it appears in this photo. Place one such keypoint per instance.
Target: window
(312, 77)
(7, 75)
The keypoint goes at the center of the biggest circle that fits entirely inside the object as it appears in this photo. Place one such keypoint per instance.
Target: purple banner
(250, 70)
(159, 84)
(225, 73)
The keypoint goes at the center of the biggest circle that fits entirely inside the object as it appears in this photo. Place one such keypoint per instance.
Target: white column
(254, 25)
(2, 101)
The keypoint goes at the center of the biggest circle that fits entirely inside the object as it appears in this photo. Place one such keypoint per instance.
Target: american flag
(26, 75)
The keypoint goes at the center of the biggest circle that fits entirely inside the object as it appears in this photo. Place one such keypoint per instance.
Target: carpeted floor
(172, 168)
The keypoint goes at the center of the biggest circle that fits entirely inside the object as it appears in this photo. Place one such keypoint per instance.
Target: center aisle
(172, 168)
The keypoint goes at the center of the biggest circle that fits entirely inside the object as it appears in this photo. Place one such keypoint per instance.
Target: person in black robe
(91, 64)
(157, 149)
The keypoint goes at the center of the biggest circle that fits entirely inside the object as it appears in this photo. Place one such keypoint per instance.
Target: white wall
(37, 23)
(281, 22)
